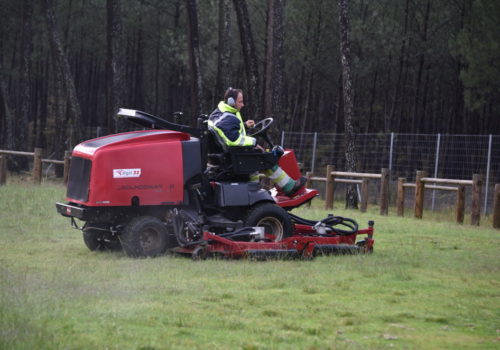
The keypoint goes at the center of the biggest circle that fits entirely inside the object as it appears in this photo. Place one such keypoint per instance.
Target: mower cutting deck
(307, 242)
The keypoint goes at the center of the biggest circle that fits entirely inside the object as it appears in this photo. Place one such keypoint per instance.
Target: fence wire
(443, 156)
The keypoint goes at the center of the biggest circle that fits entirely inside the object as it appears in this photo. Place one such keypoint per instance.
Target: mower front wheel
(145, 236)
(274, 219)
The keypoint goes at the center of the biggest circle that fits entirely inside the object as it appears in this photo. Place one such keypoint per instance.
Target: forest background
(418, 66)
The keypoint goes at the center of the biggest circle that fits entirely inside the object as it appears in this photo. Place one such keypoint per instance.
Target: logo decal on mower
(123, 173)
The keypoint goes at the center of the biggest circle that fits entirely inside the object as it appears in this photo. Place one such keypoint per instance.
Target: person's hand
(260, 148)
(249, 123)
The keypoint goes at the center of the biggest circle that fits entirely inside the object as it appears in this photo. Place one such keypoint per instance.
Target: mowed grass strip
(429, 284)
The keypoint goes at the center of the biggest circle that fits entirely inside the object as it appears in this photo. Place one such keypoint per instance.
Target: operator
(226, 120)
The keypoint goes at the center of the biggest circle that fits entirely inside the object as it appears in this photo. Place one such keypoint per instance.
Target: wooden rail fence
(423, 182)
(38, 159)
(333, 177)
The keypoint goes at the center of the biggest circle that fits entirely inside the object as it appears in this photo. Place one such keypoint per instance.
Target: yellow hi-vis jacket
(228, 124)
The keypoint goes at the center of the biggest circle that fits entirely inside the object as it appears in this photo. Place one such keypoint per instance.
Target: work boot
(298, 185)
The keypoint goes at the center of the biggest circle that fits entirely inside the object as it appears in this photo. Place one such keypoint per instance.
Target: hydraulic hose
(330, 222)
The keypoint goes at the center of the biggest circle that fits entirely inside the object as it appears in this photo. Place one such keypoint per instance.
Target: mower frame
(305, 244)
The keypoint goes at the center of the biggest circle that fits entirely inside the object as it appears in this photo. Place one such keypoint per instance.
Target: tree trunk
(44, 87)
(402, 58)
(310, 76)
(428, 91)
(416, 118)
(175, 94)
(114, 65)
(9, 118)
(224, 49)
(387, 115)
(56, 109)
(369, 124)
(157, 76)
(296, 125)
(194, 59)
(24, 104)
(345, 54)
(138, 70)
(274, 62)
(253, 108)
(63, 65)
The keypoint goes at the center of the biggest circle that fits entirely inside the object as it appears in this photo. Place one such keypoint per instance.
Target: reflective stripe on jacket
(227, 122)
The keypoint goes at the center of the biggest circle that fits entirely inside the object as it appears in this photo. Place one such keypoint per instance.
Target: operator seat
(233, 162)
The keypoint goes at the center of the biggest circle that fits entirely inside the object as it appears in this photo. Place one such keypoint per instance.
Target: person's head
(234, 98)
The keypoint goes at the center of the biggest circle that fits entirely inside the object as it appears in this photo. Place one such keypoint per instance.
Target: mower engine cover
(136, 168)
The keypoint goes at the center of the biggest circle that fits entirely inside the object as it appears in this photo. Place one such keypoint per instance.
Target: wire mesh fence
(443, 156)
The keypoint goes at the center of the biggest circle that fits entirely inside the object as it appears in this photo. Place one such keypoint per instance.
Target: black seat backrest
(215, 142)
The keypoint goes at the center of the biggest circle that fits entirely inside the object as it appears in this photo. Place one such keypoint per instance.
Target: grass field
(430, 284)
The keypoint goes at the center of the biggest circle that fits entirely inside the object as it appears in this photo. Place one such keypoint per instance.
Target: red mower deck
(305, 244)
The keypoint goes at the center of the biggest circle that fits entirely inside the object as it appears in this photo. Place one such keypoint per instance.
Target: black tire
(273, 218)
(145, 236)
(98, 238)
(199, 253)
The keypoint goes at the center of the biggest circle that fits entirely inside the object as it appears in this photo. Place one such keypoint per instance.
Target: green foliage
(413, 69)
(479, 46)
(429, 284)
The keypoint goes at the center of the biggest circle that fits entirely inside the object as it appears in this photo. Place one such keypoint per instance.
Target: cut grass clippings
(429, 284)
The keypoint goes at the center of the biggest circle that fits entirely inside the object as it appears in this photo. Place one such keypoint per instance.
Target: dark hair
(230, 92)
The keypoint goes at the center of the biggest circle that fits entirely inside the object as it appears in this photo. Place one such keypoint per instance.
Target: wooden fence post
(496, 207)
(400, 197)
(309, 174)
(3, 170)
(330, 187)
(460, 209)
(67, 162)
(37, 165)
(419, 194)
(384, 192)
(364, 195)
(477, 184)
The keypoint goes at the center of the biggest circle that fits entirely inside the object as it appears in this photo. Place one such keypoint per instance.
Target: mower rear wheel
(145, 236)
(97, 237)
(273, 218)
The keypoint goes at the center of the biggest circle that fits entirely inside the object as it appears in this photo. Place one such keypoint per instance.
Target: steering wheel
(260, 127)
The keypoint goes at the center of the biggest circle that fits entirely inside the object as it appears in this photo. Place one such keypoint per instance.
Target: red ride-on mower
(181, 189)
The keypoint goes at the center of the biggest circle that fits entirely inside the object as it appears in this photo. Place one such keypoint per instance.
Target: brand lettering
(126, 173)
(141, 187)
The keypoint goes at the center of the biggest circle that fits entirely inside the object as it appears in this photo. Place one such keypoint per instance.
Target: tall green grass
(429, 284)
